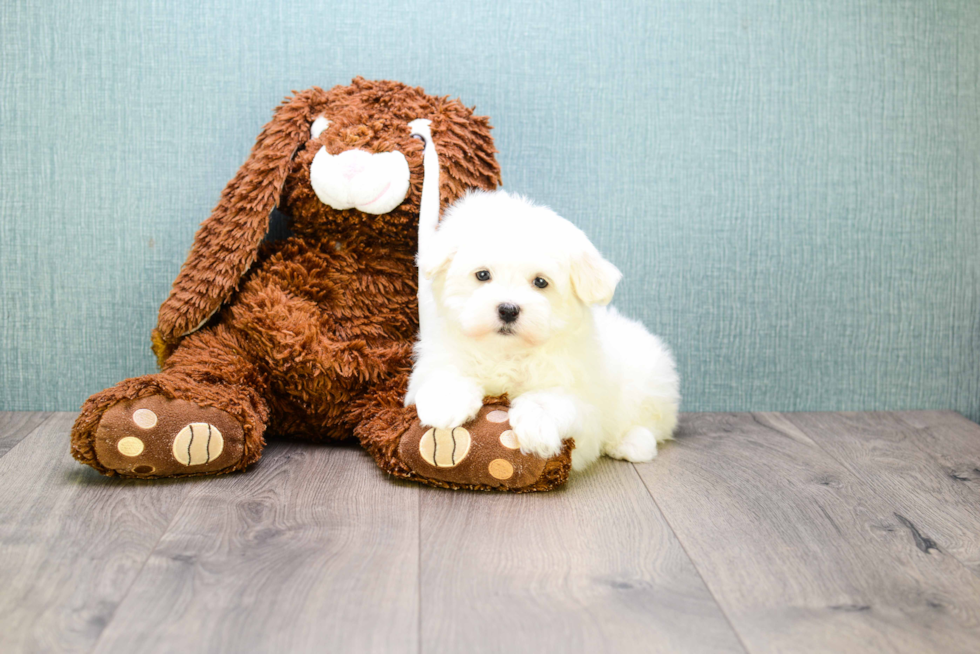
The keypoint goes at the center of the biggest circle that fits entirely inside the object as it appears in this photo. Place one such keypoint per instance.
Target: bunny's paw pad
(483, 454)
(159, 437)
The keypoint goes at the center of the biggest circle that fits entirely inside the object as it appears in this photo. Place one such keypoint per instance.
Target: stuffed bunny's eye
(318, 126)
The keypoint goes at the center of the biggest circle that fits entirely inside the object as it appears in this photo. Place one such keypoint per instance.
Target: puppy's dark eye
(540, 282)
(483, 275)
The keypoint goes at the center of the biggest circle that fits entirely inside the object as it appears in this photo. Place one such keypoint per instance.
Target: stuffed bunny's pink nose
(353, 163)
(373, 182)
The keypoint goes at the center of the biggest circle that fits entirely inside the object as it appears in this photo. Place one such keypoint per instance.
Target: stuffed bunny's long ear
(227, 242)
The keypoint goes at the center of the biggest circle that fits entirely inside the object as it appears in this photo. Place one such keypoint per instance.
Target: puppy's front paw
(538, 431)
(444, 404)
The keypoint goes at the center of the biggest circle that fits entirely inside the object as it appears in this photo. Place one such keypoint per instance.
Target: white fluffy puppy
(515, 304)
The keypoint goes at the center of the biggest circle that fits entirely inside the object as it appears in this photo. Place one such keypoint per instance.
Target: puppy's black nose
(508, 312)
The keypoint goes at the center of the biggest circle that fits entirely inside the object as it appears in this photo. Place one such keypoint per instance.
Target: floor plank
(901, 464)
(589, 568)
(800, 553)
(814, 532)
(72, 541)
(16, 425)
(952, 440)
(311, 550)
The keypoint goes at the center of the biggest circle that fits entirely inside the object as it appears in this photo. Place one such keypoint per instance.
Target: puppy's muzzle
(373, 183)
(508, 312)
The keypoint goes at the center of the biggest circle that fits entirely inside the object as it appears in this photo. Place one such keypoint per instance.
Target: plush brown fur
(310, 336)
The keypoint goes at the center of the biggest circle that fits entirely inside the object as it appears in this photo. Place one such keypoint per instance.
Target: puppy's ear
(593, 278)
(227, 242)
(438, 254)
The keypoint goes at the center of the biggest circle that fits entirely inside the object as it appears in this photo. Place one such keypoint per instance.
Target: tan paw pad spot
(145, 419)
(497, 416)
(198, 443)
(130, 446)
(509, 440)
(445, 448)
(501, 469)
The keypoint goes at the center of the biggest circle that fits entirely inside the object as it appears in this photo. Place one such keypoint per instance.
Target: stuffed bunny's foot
(159, 437)
(483, 454)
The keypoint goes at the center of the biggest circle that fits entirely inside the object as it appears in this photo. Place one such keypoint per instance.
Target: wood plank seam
(136, 577)
(290, 503)
(691, 559)
(931, 454)
(591, 567)
(74, 537)
(921, 541)
(760, 475)
(48, 418)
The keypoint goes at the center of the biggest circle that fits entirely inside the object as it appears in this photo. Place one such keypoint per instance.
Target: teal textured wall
(791, 188)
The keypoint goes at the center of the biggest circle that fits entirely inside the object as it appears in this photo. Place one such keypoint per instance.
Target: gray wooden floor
(751, 533)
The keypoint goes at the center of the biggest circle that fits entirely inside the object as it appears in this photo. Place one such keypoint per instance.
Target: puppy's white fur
(572, 367)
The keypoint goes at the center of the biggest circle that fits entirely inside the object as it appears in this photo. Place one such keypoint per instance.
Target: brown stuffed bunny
(312, 336)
